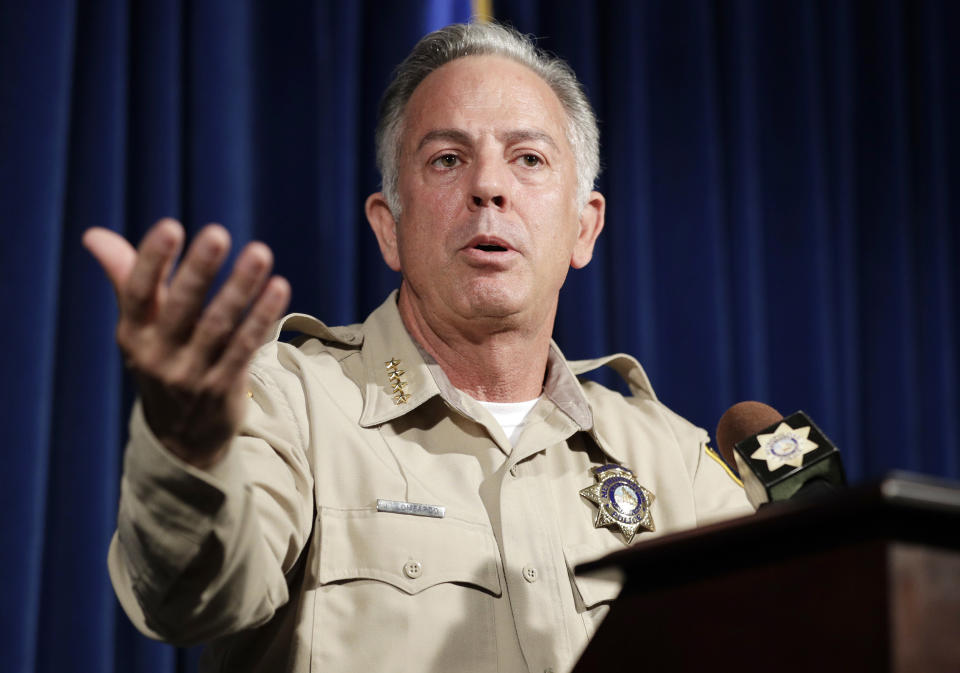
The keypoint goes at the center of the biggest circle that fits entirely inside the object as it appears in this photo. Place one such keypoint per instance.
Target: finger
(161, 245)
(253, 332)
(113, 252)
(191, 282)
(224, 313)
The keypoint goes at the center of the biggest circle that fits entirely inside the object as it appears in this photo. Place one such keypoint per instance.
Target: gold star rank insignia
(620, 500)
(396, 382)
(784, 446)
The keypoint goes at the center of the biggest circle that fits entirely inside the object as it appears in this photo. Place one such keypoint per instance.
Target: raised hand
(190, 360)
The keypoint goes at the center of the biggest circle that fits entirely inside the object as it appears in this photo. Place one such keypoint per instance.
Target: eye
(447, 161)
(531, 160)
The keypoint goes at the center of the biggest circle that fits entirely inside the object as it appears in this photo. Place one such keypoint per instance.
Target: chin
(493, 300)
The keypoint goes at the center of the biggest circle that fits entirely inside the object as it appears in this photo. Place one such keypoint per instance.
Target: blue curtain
(779, 179)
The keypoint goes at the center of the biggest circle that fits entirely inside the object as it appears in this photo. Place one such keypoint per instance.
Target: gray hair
(476, 39)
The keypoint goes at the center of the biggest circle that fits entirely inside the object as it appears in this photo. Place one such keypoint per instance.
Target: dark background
(782, 181)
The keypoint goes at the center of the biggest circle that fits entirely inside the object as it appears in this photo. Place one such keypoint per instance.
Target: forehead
(484, 94)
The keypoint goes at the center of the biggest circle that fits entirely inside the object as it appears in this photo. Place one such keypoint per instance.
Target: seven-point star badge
(784, 446)
(620, 500)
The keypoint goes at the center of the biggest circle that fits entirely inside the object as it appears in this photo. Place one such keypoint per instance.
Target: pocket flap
(602, 586)
(411, 553)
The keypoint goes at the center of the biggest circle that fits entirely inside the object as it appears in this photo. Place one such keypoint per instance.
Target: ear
(384, 228)
(591, 224)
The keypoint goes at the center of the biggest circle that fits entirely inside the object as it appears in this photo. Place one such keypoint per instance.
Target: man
(412, 493)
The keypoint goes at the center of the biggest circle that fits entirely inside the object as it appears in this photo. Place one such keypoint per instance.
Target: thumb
(113, 252)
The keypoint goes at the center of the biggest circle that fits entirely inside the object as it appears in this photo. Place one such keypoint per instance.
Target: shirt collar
(396, 379)
(393, 363)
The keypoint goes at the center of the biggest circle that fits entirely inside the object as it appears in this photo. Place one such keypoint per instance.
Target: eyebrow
(528, 135)
(452, 135)
(509, 138)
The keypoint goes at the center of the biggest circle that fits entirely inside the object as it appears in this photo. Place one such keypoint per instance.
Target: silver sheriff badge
(620, 500)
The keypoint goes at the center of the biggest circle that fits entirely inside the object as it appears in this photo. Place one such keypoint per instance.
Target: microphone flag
(779, 460)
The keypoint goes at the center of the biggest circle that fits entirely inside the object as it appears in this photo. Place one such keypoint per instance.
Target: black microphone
(778, 458)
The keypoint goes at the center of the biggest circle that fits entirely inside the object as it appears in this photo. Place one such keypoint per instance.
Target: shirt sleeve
(717, 492)
(199, 554)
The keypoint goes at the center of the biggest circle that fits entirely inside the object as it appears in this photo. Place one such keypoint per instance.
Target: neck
(491, 359)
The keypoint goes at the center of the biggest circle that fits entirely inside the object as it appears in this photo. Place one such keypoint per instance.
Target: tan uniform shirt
(279, 557)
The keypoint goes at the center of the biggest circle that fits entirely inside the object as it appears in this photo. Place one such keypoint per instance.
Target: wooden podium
(864, 580)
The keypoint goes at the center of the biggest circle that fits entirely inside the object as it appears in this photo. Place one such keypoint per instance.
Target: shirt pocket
(595, 590)
(398, 592)
(411, 553)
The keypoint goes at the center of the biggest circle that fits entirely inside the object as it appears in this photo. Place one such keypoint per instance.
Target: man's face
(487, 186)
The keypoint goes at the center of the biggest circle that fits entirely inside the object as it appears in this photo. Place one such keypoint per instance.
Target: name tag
(414, 508)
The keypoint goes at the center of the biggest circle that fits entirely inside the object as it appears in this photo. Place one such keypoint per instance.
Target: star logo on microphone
(784, 446)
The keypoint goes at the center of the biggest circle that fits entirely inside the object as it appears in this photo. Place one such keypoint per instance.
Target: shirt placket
(534, 565)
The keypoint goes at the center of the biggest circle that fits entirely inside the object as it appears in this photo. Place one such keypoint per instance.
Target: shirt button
(412, 569)
(530, 574)
(513, 471)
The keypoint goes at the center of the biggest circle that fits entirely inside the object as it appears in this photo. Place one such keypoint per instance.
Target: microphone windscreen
(739, 422)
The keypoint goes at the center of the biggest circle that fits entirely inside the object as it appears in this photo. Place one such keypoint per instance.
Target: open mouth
(485, 249)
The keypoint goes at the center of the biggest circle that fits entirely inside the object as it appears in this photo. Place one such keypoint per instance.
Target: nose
(479, 201)
(488, 188)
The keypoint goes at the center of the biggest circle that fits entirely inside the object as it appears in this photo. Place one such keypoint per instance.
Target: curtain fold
(34, 128)
(81, 490)
(781, 225)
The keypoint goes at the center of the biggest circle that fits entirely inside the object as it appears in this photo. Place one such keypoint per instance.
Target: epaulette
(626, 366)
(307, 325)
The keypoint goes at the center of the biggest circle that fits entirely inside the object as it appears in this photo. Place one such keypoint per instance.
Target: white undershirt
(512, 416)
